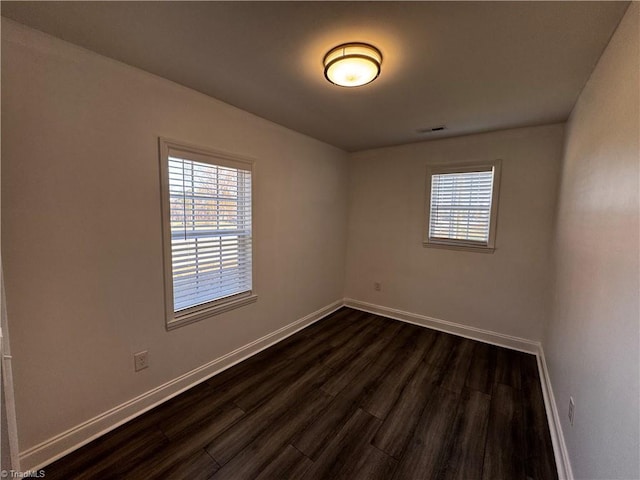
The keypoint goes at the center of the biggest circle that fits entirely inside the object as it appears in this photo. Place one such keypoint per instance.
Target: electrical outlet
(377, 286)
(141, 360)
(572, 409)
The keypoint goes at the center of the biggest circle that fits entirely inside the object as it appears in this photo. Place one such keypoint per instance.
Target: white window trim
(434, 169)
(209, 309)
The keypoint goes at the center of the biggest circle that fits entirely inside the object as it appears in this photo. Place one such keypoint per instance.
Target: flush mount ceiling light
(352, 64)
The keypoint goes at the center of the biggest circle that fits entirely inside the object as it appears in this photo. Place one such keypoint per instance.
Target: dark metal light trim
(375, 61)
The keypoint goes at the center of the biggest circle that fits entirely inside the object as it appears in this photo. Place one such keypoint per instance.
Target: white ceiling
(473, 66)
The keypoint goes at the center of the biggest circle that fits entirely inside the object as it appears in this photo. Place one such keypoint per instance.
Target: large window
(462, 206)
(206, 205)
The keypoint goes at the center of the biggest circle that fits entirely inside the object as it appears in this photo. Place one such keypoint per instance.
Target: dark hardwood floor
(354, 396)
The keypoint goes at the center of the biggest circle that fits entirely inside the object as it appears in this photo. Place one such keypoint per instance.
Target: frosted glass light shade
(352, 64)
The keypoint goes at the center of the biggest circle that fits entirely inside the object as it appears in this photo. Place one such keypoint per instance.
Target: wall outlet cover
(141, 360)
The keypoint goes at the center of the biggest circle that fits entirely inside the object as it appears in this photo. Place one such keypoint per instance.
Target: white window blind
(210, 222)
(461, 206)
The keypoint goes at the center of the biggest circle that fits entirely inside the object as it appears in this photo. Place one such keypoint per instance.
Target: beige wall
(592, 344)
(82, 238)
(505, 292)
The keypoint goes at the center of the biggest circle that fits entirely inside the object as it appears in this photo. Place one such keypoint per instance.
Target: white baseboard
(486, 336)
(56, 447)
(563, 465)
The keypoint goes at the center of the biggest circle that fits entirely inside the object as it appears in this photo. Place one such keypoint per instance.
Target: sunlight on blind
(461, 206)
(210, 218)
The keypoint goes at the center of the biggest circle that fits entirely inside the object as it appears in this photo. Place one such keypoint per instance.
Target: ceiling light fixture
(352, 64)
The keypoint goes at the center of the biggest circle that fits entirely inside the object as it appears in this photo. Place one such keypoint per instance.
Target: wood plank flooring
(354, 396)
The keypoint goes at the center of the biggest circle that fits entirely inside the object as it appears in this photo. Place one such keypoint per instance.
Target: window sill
(210, 311)
(454, 246)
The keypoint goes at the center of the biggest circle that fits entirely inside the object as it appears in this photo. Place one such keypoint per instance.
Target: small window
(206, 208)
(462, 206)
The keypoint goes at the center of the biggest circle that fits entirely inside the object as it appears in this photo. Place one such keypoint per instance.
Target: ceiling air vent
(432, 129)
